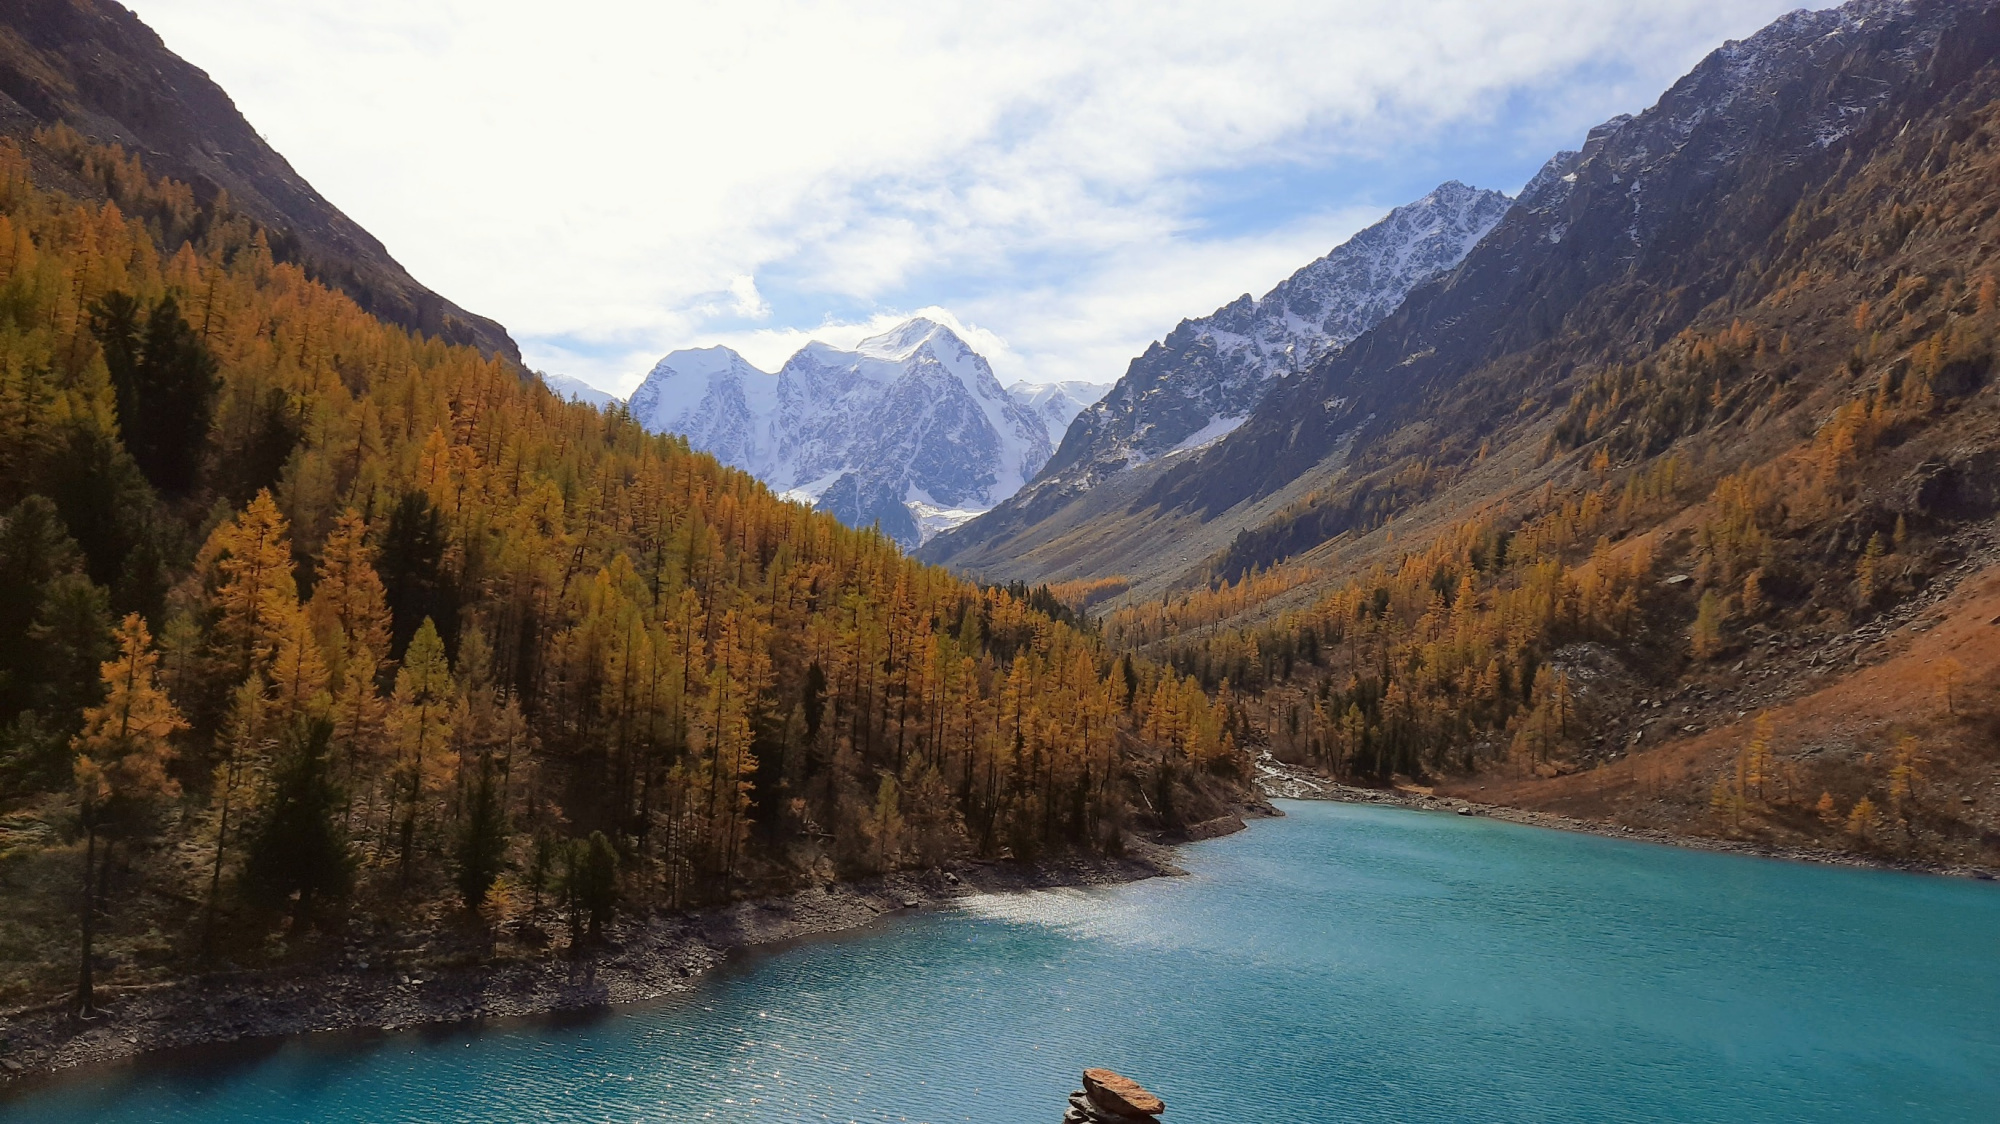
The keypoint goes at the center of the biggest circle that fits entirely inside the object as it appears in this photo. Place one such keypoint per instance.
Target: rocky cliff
(90, 64)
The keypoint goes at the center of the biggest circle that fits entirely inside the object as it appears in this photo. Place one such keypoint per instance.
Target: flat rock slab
(1120, 1094)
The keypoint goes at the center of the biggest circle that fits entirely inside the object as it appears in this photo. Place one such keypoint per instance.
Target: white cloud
(624, 178)
(749, 303)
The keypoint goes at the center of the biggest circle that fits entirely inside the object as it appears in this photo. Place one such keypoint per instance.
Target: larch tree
(349, 607)
(1706, 635)
(122, 755)
(298, 676)
(425, 700)
(256, 595)
(350, 615)
(1757, 767)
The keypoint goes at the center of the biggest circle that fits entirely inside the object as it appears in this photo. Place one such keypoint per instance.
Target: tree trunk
(86, 999)
(215, 874)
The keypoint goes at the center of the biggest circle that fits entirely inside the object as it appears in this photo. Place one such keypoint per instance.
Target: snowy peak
(1056, 403)
(576, 390)
(713, 397)
(909, 430)
(903, 340)
(1211, 372)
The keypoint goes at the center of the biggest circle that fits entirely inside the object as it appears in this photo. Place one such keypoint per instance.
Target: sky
(1062, 182)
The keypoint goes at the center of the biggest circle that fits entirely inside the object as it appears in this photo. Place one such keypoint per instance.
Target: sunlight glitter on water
(1342, 964)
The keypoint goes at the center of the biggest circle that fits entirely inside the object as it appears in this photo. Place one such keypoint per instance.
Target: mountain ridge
(909, 430)
(1204, 378)
(94, 66)
(1522, 283)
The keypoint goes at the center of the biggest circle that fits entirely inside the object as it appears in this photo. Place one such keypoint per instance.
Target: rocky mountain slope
(910, 431)
(90, 64)
(1208, 374)
(1672, 503)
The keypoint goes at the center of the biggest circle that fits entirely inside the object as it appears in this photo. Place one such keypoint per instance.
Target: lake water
(1343, 964)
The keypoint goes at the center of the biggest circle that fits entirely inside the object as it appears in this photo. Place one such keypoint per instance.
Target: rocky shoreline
(649, 957)
(1288, 782)
(645, 958)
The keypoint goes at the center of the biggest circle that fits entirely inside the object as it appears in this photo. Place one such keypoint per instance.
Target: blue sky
(1062, 181)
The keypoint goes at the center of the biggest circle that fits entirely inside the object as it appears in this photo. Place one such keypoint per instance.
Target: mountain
(92, 66)
(404, 619)
(1672, 505)
(1056, 403)
(910, 431)
(1611, 252)
(1208, 374)
(576, 390)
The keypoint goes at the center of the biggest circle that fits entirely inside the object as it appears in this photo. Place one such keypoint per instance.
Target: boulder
(1083, 1110)
(1120, 1095)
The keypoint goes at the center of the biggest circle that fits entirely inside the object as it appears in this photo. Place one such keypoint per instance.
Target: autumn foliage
(405, 578)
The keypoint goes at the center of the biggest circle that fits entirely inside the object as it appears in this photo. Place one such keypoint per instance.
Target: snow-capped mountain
(1208, 374)
(909, 431)
(576, 390)
(715, 399)
(1056, 403)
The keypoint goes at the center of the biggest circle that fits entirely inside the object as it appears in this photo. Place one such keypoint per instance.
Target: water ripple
(1343, 964)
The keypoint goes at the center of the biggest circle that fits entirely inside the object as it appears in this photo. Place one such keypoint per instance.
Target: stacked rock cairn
(1112, 1098)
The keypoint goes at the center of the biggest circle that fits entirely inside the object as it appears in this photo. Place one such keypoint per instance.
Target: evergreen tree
(482, 840)
(299, 852)
(254, 456)
(101, 494)
(55, 629)
(166, 384)
(35, 551)
(413, 572)
(72, 634)
(589, 885)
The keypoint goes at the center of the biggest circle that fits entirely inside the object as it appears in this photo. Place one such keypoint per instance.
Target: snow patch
(1217, 429)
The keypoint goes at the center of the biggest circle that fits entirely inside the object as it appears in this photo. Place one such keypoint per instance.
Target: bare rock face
(93, 65)
(1108, 1097)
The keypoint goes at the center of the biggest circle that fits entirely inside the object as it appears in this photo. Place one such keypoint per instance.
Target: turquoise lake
(1345, 963)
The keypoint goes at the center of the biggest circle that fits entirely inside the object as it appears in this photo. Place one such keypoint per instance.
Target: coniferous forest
(313, 624)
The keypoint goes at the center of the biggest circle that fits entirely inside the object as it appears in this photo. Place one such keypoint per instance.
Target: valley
(356, 677)
(1651, 553)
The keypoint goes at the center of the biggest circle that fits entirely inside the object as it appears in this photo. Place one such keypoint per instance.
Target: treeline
(308, 618)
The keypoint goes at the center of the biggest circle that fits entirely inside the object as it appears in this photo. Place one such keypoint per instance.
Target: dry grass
(1835, 738)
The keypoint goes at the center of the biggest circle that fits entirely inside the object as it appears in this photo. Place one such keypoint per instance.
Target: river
(1345, 963)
